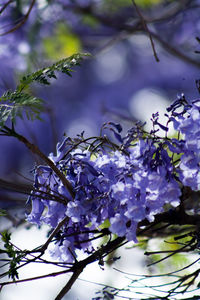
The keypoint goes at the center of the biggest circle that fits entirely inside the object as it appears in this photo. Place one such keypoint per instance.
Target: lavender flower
(188, 123)
(123, 188)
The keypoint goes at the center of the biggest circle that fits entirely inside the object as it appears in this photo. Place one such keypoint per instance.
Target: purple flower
(74, 211)
(123, 188)
(189, 126)
(118, 224)
(36, 213)
(54, 214)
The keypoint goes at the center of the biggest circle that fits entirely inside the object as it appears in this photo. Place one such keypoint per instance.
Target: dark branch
(146, 29)
(22, 22)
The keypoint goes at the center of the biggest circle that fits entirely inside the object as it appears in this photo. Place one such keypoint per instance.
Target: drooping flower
(121, 187)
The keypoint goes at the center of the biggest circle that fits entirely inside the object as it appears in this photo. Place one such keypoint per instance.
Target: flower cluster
(119, 187)
(188, 124)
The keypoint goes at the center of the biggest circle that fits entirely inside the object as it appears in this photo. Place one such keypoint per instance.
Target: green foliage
(44, 75)
(2, 212)
(105, 224)
(19, 103)
(5, 236)
(15, 256)
(16, 104)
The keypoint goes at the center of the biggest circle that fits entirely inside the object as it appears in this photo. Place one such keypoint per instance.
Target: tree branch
(69, 284)
(25, 18)
(174, 51)
(55, 231)
(5, 5)
(35, 150)
(146, 29)
(79, 266)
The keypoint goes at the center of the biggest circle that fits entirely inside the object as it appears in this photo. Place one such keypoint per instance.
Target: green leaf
(19, 103)
(16, 104)
(2, 213)
(12, 273)
(105, 224)
(44, 75)
(5, 236)
(15, 256)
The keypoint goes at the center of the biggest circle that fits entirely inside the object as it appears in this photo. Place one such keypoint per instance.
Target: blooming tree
(115, 187)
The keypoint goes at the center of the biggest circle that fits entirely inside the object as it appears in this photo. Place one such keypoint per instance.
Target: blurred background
(144, 54)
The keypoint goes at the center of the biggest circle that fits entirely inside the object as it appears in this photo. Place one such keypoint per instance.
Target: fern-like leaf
(44, 75)
(17, 104)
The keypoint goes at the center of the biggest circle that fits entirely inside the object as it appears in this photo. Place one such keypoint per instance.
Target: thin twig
(13, 29)
(69, 284)
(174, 252)
(15, 187)
(79, 266)
(146, 29)
(5, 5)
(35, 150)
(52, 235)
(34, 278)
(174, 51)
